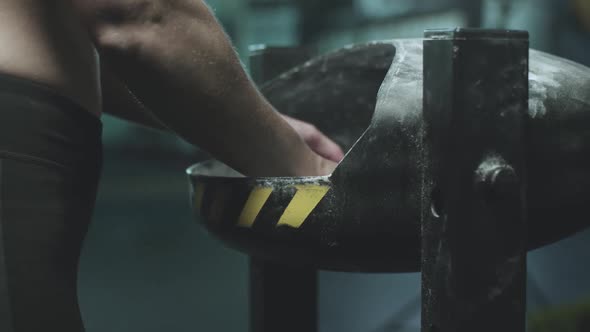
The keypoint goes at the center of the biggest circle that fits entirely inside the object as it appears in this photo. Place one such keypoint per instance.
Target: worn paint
(376, 191)
(254, 204)
(305, 200)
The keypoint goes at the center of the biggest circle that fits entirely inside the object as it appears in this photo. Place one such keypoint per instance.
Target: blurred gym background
(148, 266)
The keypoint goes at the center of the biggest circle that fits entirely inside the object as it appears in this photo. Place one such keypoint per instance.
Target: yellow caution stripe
(303, 203)
(254, 204)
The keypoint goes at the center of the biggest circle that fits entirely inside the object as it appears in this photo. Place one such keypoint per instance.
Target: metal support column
(282, 298)
(473, 201)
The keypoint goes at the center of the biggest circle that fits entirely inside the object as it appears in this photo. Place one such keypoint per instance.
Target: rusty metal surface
(474, 180)
(368, 219)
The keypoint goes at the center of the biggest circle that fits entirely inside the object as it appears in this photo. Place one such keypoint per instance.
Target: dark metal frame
(474, 163)
(473, 223)
(474, 181)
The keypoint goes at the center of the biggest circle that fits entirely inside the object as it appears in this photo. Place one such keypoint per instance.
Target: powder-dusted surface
(373, 207)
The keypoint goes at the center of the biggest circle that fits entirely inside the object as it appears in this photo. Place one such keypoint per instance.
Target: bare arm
(120, 102)
(177, 60)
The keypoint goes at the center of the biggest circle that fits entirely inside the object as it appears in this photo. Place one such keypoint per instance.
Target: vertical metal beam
(473, 207)
(282, 298)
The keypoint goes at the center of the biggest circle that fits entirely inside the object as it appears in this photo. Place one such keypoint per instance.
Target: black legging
(50, 161)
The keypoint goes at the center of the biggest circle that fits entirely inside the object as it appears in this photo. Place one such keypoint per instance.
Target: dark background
(148, 266)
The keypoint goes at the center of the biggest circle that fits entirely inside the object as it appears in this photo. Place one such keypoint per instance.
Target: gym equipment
(482, 169)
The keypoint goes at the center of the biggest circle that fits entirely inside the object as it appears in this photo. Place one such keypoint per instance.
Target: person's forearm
(118, 101)
(239, 127)
(185, 70)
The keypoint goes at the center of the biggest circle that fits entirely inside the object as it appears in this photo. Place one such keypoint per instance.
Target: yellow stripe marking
(301, 206)
(254, 204)
(199, 192)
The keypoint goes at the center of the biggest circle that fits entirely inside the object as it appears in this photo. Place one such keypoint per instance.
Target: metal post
(282, 298)
(474, 178)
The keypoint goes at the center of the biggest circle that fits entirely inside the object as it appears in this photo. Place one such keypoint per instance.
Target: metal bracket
(474, 180)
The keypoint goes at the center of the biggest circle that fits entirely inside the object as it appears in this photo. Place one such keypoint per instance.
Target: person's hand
(326, 166)
(327, 153)
(316, 140)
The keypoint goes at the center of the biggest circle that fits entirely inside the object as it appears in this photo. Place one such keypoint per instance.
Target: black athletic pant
(50, 160)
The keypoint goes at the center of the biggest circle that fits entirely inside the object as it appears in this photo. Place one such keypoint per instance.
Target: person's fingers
(323, 146)
(316, 140)
(328, 167)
